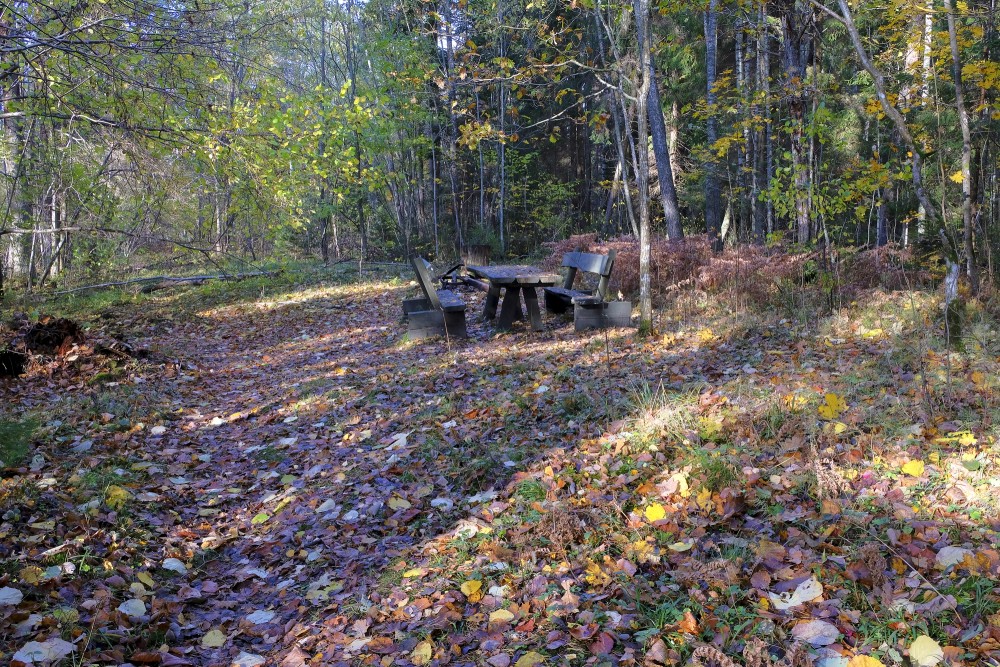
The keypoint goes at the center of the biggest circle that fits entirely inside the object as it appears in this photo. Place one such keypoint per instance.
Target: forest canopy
(139, 132)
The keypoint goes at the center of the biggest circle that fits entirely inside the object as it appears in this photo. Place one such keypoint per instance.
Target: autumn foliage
(756, 275)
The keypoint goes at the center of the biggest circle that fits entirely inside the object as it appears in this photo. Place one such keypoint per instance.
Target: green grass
(101, 478)
(15, 440)
(531, 490)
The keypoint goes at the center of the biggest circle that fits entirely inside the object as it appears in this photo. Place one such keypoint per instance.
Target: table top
(509, 274)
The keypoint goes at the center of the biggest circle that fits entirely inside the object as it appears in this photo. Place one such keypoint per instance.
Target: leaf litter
(299, 486)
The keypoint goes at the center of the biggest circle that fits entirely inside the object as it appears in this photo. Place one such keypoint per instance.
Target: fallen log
(170, 281)
(167, 281)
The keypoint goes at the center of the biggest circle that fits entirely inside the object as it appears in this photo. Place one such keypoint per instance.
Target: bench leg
(556, 304)
(454, 324)
(511, 307)
(490, 307)
(531, 301)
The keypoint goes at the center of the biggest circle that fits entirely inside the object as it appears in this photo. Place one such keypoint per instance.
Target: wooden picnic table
(515, 280)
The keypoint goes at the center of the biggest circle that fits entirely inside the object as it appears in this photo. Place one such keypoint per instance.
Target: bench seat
(450, 302)
(559, 299)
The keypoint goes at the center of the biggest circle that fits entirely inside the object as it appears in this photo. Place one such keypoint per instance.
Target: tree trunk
(971, 268)
(452, 122)
(658, 130)
(762, 136)
(713, 192)
(898, 121)
(792, 32)
(641, 8)
(626, 190)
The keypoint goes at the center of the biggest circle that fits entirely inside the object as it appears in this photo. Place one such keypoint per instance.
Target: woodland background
(140, 135)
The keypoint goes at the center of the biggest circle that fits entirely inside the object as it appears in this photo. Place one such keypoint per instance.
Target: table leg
(531, 301)
(510, 308)
(492, 299)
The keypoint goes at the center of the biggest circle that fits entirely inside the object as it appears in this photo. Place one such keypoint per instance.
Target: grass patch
(531, 490)
(15, 440)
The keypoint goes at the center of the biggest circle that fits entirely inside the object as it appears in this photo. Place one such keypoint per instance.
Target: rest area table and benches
(516, 281)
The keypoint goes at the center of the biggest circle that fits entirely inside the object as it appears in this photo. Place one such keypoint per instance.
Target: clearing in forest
(286, 480)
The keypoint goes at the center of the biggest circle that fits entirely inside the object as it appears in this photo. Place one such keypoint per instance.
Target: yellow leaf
(837, 427)
(595, 576)
(682, 484)
(643, 551)
(957, 177)
(422, 653)
(116, 497)
(914, 468)
(795, 401)
(471, 587)
(501, 616)
(530, 659)
(833, 405)
(967, 439)
(214, 638)
(146, 579)
(925, 652)
(978, 378)
(865, 661)
(655, 512)
(398, 503)
(415, 572)
(31, 574)
(704, 499)
(934, 457)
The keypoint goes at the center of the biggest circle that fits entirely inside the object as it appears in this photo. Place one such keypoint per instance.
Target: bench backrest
(423, 270)
(588, 262)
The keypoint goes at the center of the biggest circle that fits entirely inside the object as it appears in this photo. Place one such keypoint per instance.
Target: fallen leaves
(501, 616)
(655, 512)
(214, 638)
(816, 632)
(355, 501)
(133, 608)
(832, 407)
(174, 565)
(10, 597)
(865, 661)
(43, 653)
(472, 589)
(422, 654)
(925, 652)
(807, 591)
(530, 659)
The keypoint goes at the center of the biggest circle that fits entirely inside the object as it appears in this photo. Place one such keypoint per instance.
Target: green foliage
(15, 440)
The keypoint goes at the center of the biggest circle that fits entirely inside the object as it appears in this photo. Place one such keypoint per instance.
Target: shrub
(753, 274)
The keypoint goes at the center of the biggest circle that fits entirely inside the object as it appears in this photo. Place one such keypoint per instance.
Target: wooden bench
(559, 299)
(439, 312)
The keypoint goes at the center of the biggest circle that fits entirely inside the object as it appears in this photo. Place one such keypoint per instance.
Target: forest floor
(286, 481)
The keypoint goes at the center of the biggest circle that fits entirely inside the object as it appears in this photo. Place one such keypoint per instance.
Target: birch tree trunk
(899, 122)
(641, 8)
